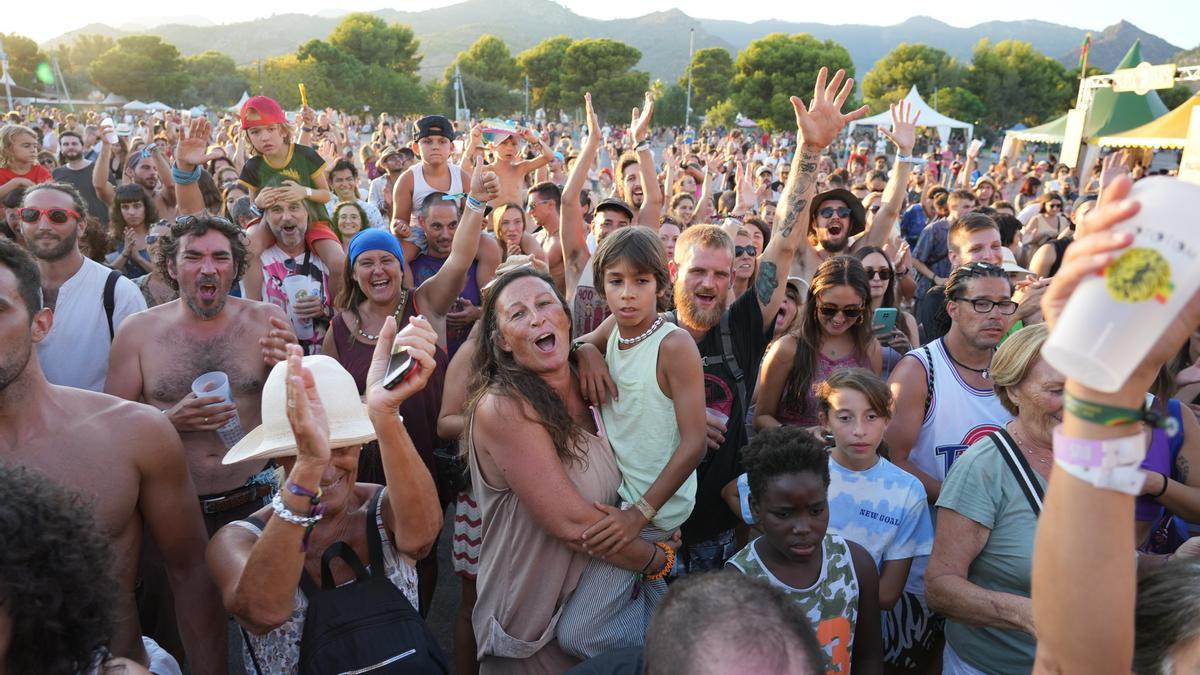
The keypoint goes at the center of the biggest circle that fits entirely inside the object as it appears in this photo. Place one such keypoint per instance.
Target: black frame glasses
(985, 306)
(884, 273)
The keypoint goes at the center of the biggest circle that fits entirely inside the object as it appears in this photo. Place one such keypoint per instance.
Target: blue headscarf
(375, 240)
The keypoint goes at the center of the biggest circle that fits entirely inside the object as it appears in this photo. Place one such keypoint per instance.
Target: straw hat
(1010, 262)
(348, 420)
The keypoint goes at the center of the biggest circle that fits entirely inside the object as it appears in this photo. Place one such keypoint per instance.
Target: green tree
(214, 80)
(721, 114)
(74, 59)
(1175, 96)
(489, 74)
(604, 67)
(24, 57)
(712, 71)
(1017, 83)
(961, 104)
(772, 69)
(373, 41)
(909, 64)
(542, 64)
(670, 103)
(141, 67)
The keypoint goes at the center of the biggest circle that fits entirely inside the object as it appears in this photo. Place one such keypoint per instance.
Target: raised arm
(100, 170)
(543, 150)
(816, 125)
(191, 152)
(439, 291)
(902, 135)
(652, 194)
(572, 230)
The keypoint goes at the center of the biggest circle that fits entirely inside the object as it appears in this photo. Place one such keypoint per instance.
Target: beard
(14, 361)
(194, 304)
(71, 156)
(58, 251)
(835, 246)
(693, 316)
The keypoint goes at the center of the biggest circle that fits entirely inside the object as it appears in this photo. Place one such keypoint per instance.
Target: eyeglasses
(30, 215)
(538, 202)
(984, 306)
(739, 251)
(830, 311)
(884, 273)
(829, 211)
(1054, 205)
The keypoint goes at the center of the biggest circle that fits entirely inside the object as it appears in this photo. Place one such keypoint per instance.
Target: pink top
(807, 417)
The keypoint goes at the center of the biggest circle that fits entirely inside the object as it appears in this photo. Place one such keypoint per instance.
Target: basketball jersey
(588, 310)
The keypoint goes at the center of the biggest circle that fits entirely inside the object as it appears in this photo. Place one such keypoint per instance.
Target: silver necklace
(649, 331)
(1023, 443)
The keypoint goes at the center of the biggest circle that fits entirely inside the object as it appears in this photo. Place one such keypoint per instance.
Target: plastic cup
(717, 415)
(295, 287)
(216, 383)
(1111, 321)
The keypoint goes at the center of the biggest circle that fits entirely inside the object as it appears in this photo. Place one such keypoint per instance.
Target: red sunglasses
(30, 215)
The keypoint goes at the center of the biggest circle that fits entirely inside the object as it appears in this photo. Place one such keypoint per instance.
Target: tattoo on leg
(768, 281)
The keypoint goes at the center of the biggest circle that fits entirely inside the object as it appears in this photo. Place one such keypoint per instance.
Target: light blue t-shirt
(883, 509)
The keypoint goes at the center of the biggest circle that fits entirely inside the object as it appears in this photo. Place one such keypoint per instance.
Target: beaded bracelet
(282, 511)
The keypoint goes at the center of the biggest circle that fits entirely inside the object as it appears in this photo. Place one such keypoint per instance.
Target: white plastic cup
(717, 415)
(295, 287)
(1111, 322)
(216, 383)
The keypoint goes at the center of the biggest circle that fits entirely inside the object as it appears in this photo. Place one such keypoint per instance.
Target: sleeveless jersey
(588, 310)
(422, 189)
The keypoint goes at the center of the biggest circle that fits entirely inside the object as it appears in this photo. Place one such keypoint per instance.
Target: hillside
(661, 36)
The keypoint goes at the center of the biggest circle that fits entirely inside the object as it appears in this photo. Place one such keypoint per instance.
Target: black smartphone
(399, 367)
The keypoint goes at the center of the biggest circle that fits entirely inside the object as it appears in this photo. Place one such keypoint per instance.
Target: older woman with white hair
(272, 566)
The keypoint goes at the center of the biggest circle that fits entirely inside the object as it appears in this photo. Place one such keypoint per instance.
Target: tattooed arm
(817, 125)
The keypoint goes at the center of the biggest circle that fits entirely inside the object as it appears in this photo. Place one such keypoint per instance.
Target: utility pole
(687, 108)
(58, 74)
(527, 99)
(457, 93)
(4, 75)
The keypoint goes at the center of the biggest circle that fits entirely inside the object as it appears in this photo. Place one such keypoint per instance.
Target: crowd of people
(718, 401)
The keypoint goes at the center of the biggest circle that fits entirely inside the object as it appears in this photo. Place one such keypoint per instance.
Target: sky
(1177, 21)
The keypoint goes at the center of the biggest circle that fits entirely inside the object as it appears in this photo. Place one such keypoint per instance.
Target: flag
(1083, 54)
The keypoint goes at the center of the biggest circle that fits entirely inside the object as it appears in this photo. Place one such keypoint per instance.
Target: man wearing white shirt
(75, 352)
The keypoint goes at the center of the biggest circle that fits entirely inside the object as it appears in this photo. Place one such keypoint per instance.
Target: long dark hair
(889, 293)
(840, 271)
(495, 371)
(124, 194)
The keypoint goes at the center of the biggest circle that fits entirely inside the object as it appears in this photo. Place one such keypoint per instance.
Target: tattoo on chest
(768, 281)
(191, 357)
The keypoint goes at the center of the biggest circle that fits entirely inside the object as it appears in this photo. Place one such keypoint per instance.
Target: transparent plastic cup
(216, 383)
(298, 286)
(1111, 321)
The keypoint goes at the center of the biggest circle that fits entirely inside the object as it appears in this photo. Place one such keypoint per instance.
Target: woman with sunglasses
(833, 333)
(882, 278)
(745, 264)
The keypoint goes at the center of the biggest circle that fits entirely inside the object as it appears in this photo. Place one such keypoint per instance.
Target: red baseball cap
(261, 111)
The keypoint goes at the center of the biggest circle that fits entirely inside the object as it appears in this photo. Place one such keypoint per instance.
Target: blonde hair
(7, 134)
(1013, 361)
(701, 236)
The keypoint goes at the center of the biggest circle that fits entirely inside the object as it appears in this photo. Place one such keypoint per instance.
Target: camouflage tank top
(831, 603)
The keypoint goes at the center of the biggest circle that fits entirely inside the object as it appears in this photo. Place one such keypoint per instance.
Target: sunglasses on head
(151, 239)
(883, 273)
(829, 211)
(57, 216)
(830, 311)
(739, 251)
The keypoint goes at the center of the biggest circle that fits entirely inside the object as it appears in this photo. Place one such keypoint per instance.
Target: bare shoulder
(909, 372)
(253, 310)
(678, 345)
(144, 426)
(785, 346)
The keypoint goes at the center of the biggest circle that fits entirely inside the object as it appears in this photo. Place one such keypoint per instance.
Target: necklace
(1022, 443)
(983, 372)
(398, 313)
(649, 331)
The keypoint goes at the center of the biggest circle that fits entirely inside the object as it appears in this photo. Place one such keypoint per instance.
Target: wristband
(1163, 491)
(576, 345)
(1109, 464)
(308, 192)
(909, 159)
(642, 145)
(182, 177)
(667, 565)
(649, 511)
(1112, 416)
(475, 205)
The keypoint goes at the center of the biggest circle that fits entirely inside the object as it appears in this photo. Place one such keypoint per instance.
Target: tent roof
(136, 105)
(114, 99)
(1168, 131)
(929, 116)
(236, 107)
(1111, 113)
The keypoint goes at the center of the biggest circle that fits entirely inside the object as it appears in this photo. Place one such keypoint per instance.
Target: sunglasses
(1054, 205)
(151, 239)
(830, 311)
(829, 211)
(30, 215)
(739, 251)
(883, 273)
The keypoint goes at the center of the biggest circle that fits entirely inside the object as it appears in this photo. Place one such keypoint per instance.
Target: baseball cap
(762, 169)
(261, 111)
(434, 125)
(614, 203)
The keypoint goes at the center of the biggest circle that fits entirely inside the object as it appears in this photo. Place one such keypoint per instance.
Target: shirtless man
(544, 202)
(834, 213)
(507, 168)
(158, 354)
(135, 479)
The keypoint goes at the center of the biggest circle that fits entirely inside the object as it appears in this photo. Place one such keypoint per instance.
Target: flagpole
(1083, 56)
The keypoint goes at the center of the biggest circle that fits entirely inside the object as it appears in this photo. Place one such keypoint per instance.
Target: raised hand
(305, 413)
(485, 186)
(1115, 165)
(904, 127)
(820, 122)
(593, 124)
(640, 124)
(419, 338)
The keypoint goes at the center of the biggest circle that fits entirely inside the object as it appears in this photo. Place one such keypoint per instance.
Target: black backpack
(366, 626)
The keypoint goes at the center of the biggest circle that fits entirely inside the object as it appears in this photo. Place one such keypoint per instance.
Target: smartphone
(399, 367)
(884, 320)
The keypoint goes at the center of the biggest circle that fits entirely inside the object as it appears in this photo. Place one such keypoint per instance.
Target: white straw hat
(1010, 262)
(348, 420)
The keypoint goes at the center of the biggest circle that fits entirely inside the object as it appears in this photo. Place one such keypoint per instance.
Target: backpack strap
(726, 356)
(374, 542)
(110, 300)
(1020, 469)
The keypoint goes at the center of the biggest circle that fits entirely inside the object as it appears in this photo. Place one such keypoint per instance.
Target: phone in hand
(884, 320)
(400, 366)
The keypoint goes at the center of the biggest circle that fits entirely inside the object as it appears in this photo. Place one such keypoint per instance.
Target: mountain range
(661, 36)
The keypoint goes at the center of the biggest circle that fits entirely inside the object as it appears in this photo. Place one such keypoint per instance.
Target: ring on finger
(206, 420)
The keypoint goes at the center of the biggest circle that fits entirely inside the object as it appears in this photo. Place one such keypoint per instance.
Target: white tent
(158, 106)
(135, 105)
(114, 99)
(929, 118)
(236, 107)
